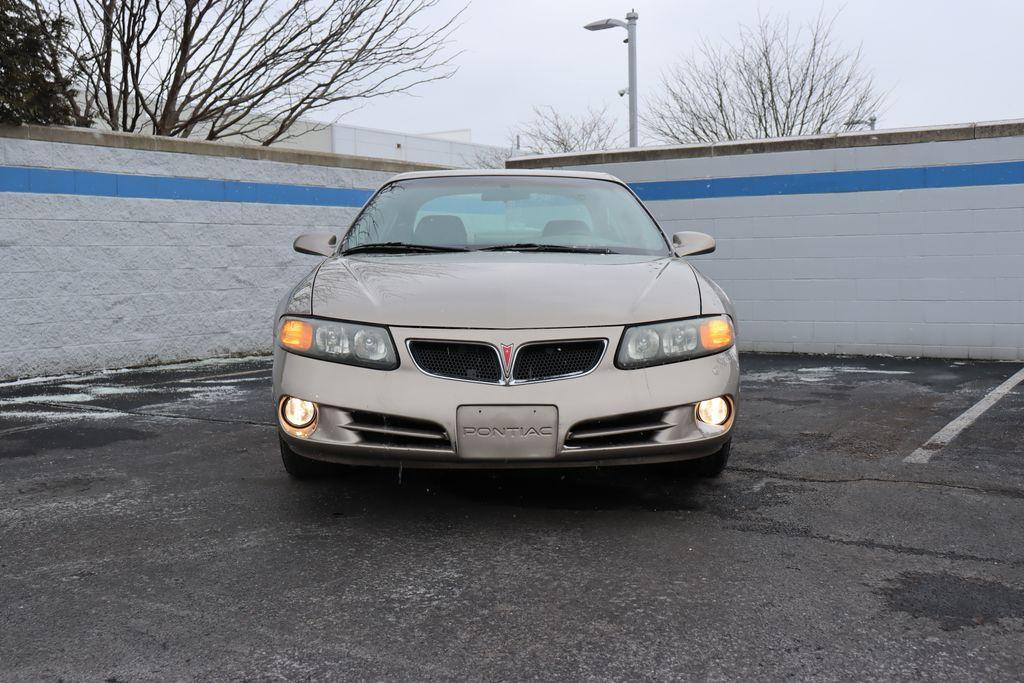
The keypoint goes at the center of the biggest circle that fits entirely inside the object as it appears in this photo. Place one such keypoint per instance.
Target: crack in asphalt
(1011, 493)
(790, 532)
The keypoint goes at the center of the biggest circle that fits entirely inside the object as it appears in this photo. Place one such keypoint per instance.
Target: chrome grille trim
(506, 379)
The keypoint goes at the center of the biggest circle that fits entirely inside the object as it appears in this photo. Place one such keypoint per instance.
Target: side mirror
(315, 243)
(692, 243)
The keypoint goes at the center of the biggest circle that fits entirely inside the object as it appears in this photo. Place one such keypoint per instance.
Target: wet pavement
(148, 531)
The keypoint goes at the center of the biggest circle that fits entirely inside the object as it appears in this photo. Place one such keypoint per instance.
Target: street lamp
(869, 122)
(630, 25)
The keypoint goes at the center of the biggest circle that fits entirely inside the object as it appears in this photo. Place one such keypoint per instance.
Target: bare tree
(775, 81)
(494, 157)
(550, 132)
(251, 68)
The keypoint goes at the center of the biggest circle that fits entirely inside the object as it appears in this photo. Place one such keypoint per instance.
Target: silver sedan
(505, 319)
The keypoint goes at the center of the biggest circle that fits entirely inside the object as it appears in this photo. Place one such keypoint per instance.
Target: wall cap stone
(155, 143)
(902, 136)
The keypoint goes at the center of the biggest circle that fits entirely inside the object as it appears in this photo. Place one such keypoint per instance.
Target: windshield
(514, 212)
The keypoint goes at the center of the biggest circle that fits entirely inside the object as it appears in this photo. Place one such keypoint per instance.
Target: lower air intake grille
(458, 360)
(555, 360)
(391, 430)
(633, 429)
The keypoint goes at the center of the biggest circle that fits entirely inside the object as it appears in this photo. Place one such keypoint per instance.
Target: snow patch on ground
(47, 398)
(60, 403)
(62, 415)
(211, 393)
(118, 371)
(229, 380)
(104, 390)
(217, 393)
(858, 370)
(36, 380)
(813, 375)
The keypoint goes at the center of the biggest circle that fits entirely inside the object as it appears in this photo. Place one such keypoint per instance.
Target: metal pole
(633, 119)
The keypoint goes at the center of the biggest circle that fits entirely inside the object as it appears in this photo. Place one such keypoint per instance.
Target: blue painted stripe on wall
(96, 184)
(966, 175)
(93, 183)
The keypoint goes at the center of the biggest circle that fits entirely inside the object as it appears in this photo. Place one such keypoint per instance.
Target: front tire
(708, 467)
(713, 465)
(297, 466)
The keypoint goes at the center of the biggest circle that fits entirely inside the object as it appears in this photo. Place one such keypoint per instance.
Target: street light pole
(633, 118)
(630, 26)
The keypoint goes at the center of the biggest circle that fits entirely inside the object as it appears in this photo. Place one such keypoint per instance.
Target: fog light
(298, 413)
(714, 411)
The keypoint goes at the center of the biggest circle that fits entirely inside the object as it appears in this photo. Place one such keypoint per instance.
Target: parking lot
(148, 530)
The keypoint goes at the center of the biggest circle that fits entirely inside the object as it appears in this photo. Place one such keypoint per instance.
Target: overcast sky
(941, 61)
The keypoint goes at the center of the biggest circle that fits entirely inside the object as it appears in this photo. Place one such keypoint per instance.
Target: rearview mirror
(315, 243)
(692, 243)
(505, 194)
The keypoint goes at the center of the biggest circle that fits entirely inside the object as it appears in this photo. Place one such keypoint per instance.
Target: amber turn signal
(296, 334)
(715, 334)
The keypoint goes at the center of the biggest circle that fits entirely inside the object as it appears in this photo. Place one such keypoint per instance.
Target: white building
(453, 148)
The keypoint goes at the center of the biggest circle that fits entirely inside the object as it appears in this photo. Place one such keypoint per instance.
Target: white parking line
(966, 419)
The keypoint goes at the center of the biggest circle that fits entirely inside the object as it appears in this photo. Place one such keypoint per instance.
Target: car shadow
(651, 487)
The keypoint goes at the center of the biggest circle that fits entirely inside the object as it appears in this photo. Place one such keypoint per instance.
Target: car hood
(505, 290)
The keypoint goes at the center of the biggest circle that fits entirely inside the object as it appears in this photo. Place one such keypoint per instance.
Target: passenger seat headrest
(441, 229)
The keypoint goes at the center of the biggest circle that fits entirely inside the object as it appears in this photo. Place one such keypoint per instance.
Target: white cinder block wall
(120, 250)
(93, 279)
(931, 265)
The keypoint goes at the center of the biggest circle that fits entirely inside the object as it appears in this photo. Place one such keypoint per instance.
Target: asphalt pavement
(149, 531)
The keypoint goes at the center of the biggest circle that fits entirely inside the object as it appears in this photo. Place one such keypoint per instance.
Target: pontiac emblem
(506, 358)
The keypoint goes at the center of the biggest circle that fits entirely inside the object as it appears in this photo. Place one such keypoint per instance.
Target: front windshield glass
(480, 212)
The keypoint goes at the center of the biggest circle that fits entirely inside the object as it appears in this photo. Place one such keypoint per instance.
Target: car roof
(464, 172)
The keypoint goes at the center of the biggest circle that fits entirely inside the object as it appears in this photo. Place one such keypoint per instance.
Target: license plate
(507, 432)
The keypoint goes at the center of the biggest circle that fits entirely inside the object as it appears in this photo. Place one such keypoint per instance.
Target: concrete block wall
(119, 251)
(908, 243)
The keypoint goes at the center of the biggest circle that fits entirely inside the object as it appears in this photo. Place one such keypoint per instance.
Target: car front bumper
(407, 418)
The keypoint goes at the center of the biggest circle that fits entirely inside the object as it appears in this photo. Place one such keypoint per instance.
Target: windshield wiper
(532, 246)
(400, 247)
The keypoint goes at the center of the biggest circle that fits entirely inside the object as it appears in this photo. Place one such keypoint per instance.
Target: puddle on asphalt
(954, 602)
(74, 436)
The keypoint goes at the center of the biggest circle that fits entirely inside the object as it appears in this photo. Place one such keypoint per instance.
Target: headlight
(676, 340)
(350, 343)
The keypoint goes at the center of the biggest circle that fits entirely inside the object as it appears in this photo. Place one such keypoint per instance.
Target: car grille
(633, 429)
(542, 361)
(470, 361)
(379, 429)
